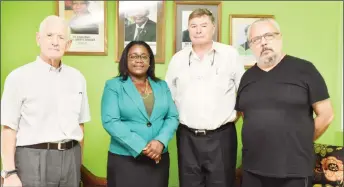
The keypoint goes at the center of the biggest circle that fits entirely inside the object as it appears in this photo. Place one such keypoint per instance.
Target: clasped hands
(153, 150)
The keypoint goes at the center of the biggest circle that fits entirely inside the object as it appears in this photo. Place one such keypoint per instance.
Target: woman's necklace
(146, 91)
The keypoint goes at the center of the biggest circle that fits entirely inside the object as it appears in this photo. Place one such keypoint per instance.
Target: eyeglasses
(268, 36)
(137, 57)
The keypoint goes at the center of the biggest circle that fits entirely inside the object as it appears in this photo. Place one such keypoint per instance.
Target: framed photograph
(238, 25)
(182, 10)
(144, 21)
(87, 26)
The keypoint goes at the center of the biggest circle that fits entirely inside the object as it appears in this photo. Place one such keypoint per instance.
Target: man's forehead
(54, 29)
(53, 32)
(200, 20)
(262, 28)
(55, 26)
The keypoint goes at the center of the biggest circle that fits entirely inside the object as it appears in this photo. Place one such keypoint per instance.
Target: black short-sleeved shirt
(278, 127)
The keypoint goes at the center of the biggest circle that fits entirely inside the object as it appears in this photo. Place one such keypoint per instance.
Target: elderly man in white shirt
(43, 108)
(203, 79)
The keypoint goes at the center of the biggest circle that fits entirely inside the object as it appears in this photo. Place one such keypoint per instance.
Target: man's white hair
(272, 21)
(54, 19)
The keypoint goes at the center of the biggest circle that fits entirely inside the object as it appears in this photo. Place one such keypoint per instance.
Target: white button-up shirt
(45, 104)
(205, 91)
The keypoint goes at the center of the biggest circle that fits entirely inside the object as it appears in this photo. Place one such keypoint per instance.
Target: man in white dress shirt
(203, 79)
(43, 108)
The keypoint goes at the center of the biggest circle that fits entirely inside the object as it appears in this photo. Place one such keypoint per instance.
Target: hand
(153, 150)
(12, 180)
(157, 160)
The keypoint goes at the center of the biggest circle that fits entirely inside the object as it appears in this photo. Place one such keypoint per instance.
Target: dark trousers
(207, 160)
(253, 180)
(127, 171)
(48, 168)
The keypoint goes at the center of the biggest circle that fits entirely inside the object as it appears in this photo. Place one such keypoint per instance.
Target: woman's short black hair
(123, 63)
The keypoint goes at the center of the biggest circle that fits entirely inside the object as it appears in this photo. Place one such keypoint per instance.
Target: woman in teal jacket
(139, 114)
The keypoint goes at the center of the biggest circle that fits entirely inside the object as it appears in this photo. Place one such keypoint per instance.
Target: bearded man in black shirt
(277, 98)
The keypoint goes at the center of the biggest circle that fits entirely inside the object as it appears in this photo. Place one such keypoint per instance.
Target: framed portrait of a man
(182, 11)
(238, 25)
(87, 26)
(141, 21)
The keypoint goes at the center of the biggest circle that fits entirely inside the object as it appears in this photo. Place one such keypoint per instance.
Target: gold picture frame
(153, 29)
(87, 26)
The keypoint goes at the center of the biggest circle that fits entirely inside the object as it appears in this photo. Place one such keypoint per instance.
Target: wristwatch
(5, 174)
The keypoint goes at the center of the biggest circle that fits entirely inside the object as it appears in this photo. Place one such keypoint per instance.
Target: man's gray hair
(54, 19)
(272, 21)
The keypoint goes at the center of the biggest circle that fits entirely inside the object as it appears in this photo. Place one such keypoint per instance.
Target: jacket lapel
(132, 92)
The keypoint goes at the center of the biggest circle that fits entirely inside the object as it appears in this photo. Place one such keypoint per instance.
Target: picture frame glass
(86, 26)
(240, 26)
(143, 21)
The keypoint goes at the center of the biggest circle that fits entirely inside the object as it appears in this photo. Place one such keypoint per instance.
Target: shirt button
(149, 124)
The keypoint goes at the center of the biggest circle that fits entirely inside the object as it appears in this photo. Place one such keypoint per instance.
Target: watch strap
(9, 173)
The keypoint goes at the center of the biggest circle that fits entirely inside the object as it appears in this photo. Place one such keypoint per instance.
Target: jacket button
(149, 124)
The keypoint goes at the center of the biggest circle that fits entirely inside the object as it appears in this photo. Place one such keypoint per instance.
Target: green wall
(311, 30)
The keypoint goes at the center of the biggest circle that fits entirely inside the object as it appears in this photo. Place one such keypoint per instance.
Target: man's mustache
(266, 49)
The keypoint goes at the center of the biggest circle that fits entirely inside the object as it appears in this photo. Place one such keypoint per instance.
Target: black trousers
(127, 171)
(253, 180)
(207, 160)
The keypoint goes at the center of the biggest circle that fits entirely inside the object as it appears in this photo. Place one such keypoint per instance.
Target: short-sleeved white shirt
(205, 90)
(45, 104)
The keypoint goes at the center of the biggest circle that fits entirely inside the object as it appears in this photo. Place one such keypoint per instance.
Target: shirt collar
(213, 49)
(47, 66)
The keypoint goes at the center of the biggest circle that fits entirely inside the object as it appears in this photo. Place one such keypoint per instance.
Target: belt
(203, 132)
(55, 146)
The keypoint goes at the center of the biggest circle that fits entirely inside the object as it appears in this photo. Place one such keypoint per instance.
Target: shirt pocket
(73, 102)
(223, 81)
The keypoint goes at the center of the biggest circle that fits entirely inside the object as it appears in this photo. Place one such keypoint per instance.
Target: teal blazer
(125, 118)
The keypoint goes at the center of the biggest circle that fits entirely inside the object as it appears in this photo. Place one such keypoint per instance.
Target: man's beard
(270, 59)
